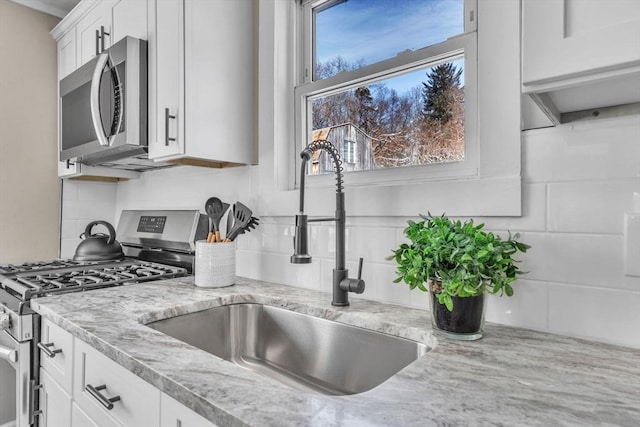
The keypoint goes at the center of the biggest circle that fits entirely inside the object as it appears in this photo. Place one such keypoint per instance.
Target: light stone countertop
(511, 377)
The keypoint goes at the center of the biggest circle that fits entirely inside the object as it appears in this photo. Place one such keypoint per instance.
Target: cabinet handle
(48, 351)
(102, 34)
(107, 402)
(100, 39)
(167, 116)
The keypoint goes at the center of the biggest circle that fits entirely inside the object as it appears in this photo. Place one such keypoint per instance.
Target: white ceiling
(57, 8)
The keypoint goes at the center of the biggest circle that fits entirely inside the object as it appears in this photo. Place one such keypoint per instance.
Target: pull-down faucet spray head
(300, 240)
(300, 246)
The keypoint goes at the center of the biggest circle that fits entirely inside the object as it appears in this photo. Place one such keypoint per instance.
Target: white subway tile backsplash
(69, 189)
(526, 308)
(68, 247)
(380, 287)
(277, 268)
(597, 150)
(595, 313)
(589, 260)
(97, 191)
(590, 207)
(533, 212)
(69, 229)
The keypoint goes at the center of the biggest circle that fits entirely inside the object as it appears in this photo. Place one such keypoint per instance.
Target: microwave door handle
(117, 104)
(103, 139)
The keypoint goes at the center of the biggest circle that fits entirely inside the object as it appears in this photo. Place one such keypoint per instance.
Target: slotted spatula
(241, 217)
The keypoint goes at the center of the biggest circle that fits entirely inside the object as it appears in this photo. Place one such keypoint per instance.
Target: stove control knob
(5, 319)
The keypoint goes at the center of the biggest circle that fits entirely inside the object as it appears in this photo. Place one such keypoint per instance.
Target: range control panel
(151, 224)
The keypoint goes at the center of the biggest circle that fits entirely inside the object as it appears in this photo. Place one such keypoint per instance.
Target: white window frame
(463, 45)
(495, 189)
(349, 151)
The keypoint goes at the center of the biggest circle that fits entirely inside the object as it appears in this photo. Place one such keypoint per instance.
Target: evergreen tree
(438, 93)
(365, 109)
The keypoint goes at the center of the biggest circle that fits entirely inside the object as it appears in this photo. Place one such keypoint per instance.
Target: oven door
(16, 388)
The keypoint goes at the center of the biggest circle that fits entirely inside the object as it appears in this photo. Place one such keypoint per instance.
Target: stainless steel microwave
(103, 106)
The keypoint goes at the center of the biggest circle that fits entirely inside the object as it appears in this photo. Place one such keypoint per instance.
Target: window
(349, 151)
(486, 183)
(399, 73)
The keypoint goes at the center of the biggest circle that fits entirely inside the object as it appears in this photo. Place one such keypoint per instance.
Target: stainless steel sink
(299, 350)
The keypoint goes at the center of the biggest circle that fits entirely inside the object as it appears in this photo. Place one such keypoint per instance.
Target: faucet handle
(354, 285)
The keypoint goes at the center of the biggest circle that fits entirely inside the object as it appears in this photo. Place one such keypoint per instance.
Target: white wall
(578, 181)
(30, 188)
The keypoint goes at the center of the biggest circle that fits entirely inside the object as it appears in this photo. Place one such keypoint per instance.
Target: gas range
(31, 280)
(156, 245)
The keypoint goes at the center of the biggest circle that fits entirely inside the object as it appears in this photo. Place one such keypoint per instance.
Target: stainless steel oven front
(19, 359)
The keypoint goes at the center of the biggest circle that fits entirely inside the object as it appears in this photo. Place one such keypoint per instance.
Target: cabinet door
(66, 54)
(138, 403)
(129, 19)
(569, 38)
(219, 80)
(55, 404)
(166, 79)
(80, 419)
(175, 414)
(88, 31)
(57, 359)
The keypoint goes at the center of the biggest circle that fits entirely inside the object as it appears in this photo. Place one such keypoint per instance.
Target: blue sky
(373, 30)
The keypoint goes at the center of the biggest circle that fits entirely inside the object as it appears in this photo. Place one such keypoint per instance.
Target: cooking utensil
(253, 223)
(99, 246)
(215, 208)
(242, 217)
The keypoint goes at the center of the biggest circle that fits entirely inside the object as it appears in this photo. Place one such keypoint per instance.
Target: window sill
(463, 197)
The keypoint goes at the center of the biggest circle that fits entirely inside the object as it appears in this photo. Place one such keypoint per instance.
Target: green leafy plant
(461, 259)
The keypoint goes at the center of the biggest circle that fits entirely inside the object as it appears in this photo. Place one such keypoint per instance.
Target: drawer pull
(48, 351)
(107, 402)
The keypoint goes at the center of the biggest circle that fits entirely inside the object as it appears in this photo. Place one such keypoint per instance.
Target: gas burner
(40, 265)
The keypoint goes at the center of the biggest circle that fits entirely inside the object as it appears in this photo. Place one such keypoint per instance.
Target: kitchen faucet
(342, 284)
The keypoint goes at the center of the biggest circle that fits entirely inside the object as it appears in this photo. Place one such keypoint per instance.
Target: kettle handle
(112, 232)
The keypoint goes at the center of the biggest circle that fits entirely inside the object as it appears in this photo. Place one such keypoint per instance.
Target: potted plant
(458, 264)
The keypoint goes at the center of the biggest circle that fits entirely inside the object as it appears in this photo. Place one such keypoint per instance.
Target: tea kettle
(98, 247)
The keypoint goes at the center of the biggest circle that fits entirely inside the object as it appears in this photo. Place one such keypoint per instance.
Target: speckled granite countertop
(511, 377)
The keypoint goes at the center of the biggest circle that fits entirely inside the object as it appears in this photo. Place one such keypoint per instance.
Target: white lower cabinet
(55, 403)
(56, 354)
(80, 419)
(81, 387)
(175, 414)
(110, 394)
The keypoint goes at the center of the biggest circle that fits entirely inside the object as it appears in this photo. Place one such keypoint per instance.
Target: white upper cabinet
(166, 79)
(579, 55)
(129, 18)
(93, 31)
(201, 77)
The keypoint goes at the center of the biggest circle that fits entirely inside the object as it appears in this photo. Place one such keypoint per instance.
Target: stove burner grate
(75, 279)
(42, 265)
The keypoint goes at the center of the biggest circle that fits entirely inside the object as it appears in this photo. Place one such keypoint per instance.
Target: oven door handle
(8, 354)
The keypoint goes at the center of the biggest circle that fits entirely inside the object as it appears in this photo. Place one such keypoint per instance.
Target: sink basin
(301, 351)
